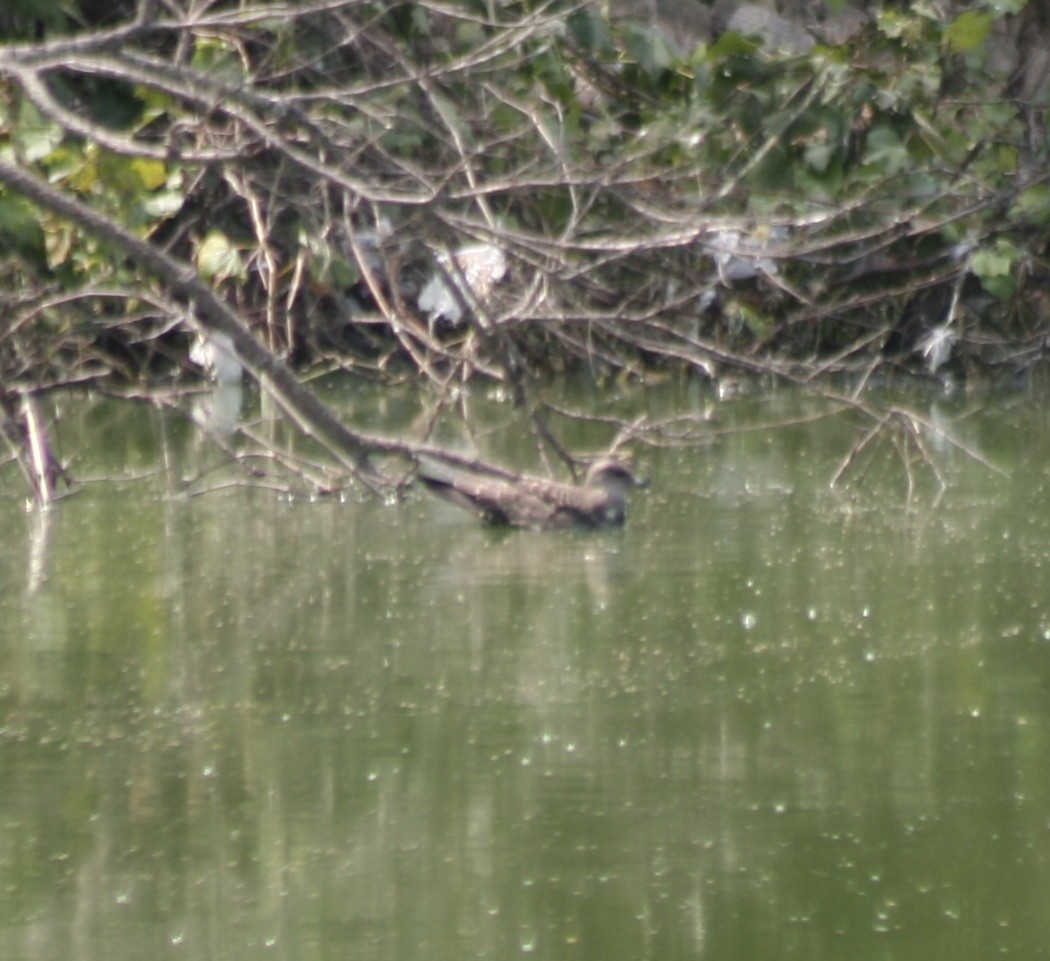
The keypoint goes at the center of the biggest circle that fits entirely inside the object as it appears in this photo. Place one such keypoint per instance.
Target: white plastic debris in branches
(939, 342)
(369, 242)
(739, 257)
(214, 352)
(937, 346)
(475, 271)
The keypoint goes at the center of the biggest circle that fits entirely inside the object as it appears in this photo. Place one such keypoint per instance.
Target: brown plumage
(536, 502)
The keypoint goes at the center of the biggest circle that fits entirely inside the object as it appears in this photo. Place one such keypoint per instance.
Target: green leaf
(469, 36)
(885, 154)
(1006, 157)
(891, 23)
(590, 30)
(649, 48)
(35, 136)
(163, 203)
(219, 59)
(128, 177)
(20, 226)
(994, 266)
(325, 265)
(994, 261)
(968, 31)
(907, 28)
(152, 173)
(945, 144)
(60, 240)
(818, 155)
(218, 259)
(733, 44)
(1033, 206)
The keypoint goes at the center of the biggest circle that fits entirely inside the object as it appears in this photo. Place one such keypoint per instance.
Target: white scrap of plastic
(214, 352)
(369, 241)
(739, 257)
(937, 346)
(482, 267)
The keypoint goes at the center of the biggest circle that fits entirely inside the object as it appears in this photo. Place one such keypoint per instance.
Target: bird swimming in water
(536, 502)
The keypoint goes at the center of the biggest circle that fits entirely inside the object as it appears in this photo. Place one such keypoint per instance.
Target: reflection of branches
(906, 432)
(26, 436)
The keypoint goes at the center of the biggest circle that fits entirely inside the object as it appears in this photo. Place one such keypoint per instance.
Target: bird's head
(612, 476)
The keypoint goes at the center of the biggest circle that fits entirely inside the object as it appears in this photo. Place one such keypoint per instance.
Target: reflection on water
(760, 722)
(39, 537)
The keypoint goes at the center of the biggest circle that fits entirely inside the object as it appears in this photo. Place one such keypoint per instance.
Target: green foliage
(20, 229)
(33, 137)
(326, 265)
(137, 190)
(590, 32)
(577, 136)
(24, 19)
(995, 266)
(218, 59)
(968, 31)
(1032, 206)
(219, 259)
(649, 49)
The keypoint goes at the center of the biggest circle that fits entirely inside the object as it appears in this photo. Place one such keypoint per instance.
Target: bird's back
(527, 502)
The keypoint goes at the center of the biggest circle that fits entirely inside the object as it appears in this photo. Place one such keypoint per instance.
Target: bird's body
(536, 502)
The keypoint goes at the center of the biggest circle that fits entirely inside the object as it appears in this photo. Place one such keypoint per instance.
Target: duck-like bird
(536, 502)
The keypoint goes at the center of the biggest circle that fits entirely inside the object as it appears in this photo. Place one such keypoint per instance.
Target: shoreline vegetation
(460, 193)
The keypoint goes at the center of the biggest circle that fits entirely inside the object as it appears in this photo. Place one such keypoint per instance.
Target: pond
(766, 720)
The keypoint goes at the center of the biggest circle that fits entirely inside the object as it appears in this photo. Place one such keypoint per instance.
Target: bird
(538, 503)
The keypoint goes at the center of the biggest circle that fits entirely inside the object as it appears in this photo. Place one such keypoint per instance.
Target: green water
(764, 721)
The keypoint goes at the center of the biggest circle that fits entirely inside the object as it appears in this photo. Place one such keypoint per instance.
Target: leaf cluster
(730, 206)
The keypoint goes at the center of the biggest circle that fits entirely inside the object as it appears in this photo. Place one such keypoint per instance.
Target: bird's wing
(526, 502)
(497, 501)
(577, 504)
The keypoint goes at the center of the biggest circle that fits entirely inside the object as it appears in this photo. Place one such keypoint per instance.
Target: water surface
(767, 720)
